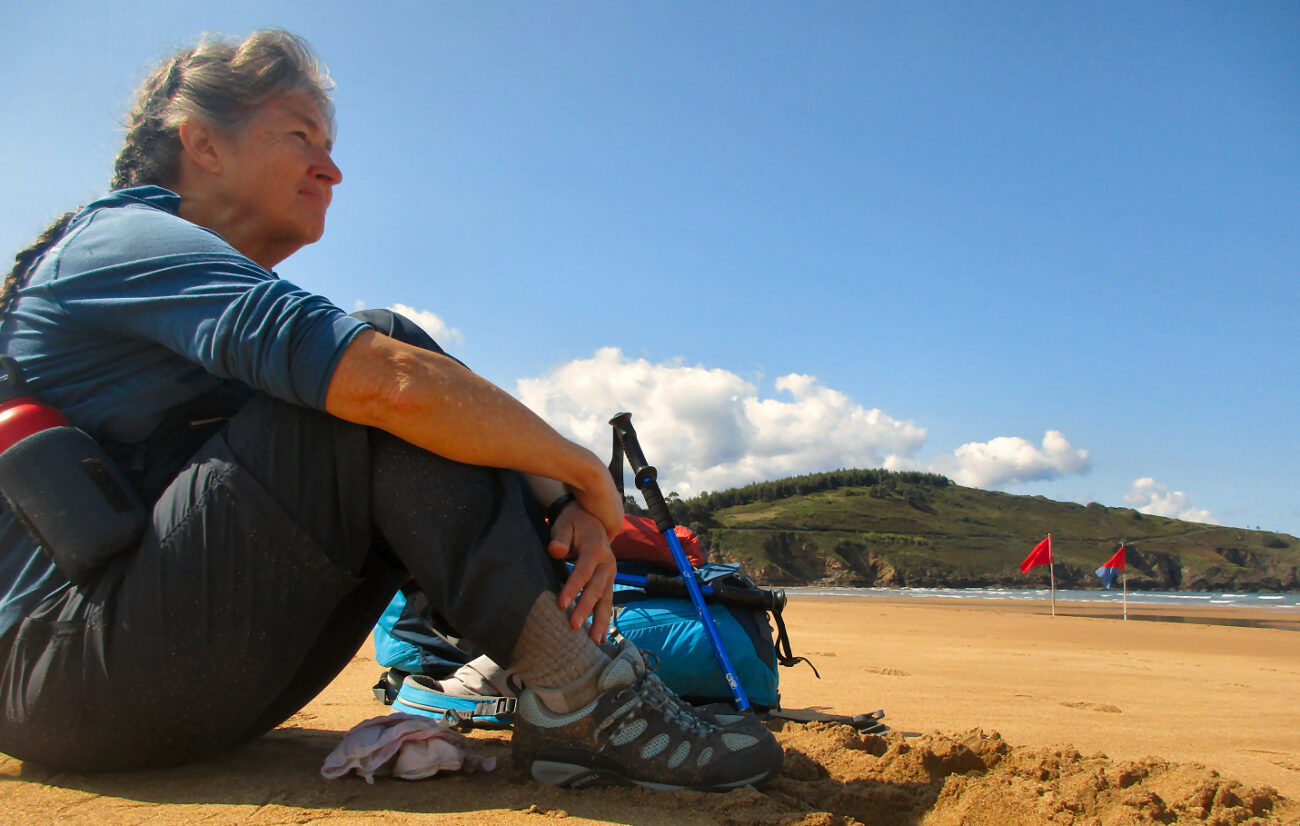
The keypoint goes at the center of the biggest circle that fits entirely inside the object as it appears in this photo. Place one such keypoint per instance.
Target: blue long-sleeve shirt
(136, 311)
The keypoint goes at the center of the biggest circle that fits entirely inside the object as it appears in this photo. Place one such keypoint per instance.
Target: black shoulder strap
(870, 723)
(783, 653)
(616, 462)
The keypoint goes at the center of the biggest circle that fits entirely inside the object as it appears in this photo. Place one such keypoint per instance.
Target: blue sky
(1045, 248)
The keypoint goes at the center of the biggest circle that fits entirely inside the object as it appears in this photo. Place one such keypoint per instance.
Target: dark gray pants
(270, 557)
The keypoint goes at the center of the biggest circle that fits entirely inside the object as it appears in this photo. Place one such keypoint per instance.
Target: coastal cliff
(865, 528)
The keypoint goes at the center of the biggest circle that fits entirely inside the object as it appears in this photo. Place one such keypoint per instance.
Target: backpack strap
(783, 653)
(616, 463)
(870, 723)
(451, 701)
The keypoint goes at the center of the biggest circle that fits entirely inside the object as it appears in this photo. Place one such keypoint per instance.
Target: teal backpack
(669, 628)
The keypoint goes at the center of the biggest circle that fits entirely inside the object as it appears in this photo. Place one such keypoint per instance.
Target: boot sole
(576, 776)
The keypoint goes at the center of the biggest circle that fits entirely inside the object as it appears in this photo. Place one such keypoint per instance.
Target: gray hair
(220, 83)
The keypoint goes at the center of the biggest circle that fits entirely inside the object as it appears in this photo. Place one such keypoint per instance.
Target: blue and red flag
(1110, 570)
(1040, 555)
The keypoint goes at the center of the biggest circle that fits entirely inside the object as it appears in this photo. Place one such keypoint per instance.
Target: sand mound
(834, 775)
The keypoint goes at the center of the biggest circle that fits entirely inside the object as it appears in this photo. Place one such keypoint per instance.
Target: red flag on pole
(1116, 561)
(1107, 572)
(1040, 555)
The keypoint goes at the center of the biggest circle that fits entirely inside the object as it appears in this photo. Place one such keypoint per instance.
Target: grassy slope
(962, 536)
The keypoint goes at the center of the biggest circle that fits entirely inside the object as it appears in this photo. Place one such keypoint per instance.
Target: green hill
(874, 527)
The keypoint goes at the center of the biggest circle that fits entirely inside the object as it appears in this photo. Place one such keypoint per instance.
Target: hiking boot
(637, 732)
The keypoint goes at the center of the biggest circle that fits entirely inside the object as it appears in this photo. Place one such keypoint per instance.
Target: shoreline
(1266, 601)
(1280, 618)
(1224, 616)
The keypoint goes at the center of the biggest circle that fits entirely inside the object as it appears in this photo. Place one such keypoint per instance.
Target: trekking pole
(646, 476)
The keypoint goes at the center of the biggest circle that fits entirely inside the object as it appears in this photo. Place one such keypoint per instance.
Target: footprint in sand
(890, 672)
(1282, 759)
(1108, 709)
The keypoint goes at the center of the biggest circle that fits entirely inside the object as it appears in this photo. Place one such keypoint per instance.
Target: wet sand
(1001, 713)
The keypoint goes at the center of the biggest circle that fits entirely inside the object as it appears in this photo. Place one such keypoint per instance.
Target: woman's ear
(201, 145)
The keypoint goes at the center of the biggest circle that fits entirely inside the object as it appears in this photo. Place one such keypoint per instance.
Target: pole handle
(644, 474)
(622, 424)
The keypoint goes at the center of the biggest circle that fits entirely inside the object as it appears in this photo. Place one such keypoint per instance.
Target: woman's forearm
(435, 403)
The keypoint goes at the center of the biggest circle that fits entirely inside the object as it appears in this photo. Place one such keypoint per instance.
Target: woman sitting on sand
(300, 464)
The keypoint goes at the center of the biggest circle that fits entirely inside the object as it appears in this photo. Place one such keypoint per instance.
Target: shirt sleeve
(144, 273)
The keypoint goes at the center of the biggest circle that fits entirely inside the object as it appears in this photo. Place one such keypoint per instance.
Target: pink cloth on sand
(404, 746)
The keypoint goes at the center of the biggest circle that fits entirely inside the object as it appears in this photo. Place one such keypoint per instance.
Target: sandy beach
(1001, 714)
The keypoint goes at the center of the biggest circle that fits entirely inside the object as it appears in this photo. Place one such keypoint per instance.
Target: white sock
(559, 664)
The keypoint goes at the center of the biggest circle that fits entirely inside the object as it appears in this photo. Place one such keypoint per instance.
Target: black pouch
(73, 500)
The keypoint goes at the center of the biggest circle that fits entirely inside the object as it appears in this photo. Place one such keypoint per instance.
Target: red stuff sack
(641, 541)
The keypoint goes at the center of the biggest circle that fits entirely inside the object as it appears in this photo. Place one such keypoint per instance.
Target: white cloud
(708, 429)
(1009, 460)
(1152, 497)
(448, 337)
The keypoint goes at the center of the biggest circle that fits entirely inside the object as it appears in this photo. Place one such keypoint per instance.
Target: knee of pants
(428, 484)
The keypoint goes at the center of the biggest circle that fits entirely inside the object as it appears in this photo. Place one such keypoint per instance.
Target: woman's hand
(590, 586)
(598, 496)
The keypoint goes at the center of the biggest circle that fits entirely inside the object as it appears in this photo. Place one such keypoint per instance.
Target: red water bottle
(22, 414)
(73, 500)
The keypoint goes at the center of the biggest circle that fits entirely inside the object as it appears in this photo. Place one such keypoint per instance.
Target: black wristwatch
(553, 512)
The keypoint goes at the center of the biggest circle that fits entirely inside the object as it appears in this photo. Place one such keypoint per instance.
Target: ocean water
(1278, 602)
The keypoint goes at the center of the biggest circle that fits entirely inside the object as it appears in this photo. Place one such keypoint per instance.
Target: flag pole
(1125, 572)
(1051, 571)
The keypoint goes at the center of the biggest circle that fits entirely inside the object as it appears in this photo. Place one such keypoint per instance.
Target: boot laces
(674, 709)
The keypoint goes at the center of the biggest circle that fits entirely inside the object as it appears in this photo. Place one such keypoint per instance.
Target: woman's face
(278, 178)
